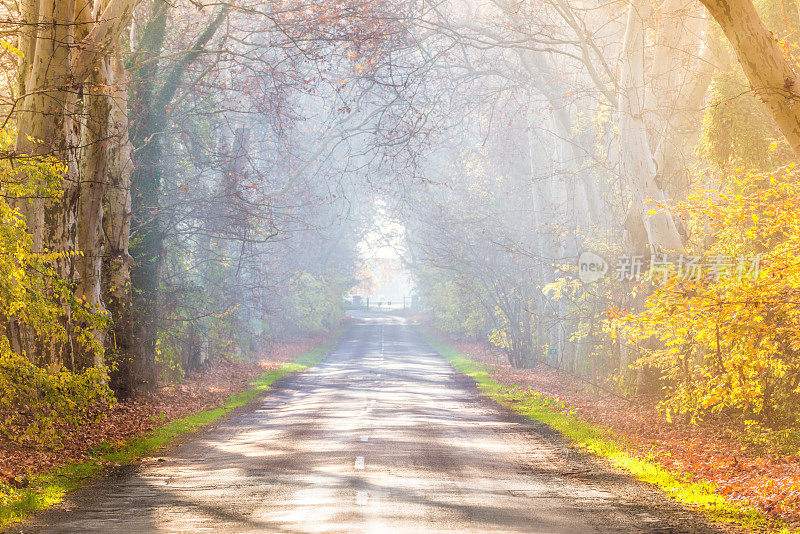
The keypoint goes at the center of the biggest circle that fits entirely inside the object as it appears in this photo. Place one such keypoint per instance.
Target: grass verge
(50, 488)
(602, 442)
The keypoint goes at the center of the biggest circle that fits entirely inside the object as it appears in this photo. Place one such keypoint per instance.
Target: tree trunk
(29, 16)
(151, 116)
(117, 227)
(147, 255)
(93, 182)
(45, 128)
(681, 72)
(636, 155)
(145, 187)
(767, 68)
(60, 36)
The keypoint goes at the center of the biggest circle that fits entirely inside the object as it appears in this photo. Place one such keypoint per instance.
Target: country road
(382, 436)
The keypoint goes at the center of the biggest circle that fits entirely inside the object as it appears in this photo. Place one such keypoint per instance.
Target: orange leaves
(729, 342)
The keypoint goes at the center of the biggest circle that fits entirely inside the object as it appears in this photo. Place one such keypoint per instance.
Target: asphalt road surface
(382, 436)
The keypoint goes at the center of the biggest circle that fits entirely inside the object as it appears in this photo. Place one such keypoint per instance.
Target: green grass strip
(50, 488)
(602, 442)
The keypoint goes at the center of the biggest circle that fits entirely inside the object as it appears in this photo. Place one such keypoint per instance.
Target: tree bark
(117, 228)
(56, 35)
(636, 155)
(93, 182)
(151, 115)
(45, 128)
(771, 76)
(145, 189)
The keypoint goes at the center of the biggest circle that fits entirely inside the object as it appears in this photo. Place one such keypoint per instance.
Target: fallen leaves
(705, 452)
(198, 391)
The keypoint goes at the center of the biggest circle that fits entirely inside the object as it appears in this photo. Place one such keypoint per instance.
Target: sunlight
(418, 266)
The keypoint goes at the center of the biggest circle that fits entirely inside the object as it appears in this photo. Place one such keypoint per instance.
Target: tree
(241, 53)
(67, 53)
(151, 98)
(772, 76)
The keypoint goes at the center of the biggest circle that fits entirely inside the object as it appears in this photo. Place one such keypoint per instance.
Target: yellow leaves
(52, 396)
(34, 295)
(8, 47)
(500, 339)
(731, 343)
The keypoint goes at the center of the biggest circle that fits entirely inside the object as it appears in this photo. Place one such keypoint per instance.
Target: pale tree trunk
(769, 71)
(647, 98)
(542, 202)
(562, 188)
(675, 152)
(93, 182)
(674, 50)
(29, 16)
(45, 128)
(636, 155)
(682, 67)
(44, 121)
(542, 75)
(109, 19)
(66, 39)
(105, 169)
(117, 227)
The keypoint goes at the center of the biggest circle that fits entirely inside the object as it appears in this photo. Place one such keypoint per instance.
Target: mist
(584, 213)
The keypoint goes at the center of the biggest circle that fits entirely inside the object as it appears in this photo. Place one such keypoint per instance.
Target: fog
(603, 190)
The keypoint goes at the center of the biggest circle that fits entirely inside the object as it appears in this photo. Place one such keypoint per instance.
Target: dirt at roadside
(706, 452)
(198, 391)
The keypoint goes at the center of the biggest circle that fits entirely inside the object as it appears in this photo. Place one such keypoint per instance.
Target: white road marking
(361, 498)
(359, 462)
(364, 438)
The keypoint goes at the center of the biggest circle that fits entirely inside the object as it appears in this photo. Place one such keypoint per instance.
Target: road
(382, 436)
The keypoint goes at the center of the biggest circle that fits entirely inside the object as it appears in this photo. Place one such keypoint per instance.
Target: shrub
(39, 395)
(731, 343)
(36, 404)
(314, 303)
